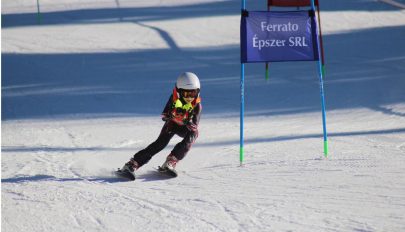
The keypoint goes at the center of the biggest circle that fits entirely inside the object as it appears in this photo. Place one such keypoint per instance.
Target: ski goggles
(185, 93)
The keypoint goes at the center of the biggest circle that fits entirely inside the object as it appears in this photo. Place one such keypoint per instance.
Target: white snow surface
(83, 90)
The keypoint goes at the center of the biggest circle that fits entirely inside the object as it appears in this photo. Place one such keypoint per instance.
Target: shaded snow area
(83, 91)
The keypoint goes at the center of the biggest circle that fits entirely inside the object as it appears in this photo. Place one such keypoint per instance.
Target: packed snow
(84, 84)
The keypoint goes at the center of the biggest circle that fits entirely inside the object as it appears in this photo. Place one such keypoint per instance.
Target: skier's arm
(166, 111)
(195, 120)
(197, 114)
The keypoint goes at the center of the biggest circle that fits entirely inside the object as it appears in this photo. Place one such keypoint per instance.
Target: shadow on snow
(38, 178)
(149, 176)
(158, 13)
(23, 149)
(363, 70)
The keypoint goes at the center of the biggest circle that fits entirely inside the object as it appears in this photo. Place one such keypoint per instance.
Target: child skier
(181, 116)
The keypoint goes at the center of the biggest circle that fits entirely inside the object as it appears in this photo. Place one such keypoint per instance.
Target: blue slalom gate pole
(325, 135)
(242, 112)
(242, 102)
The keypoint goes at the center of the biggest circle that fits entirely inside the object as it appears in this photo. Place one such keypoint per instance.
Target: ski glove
(192, 127)
(165, 117)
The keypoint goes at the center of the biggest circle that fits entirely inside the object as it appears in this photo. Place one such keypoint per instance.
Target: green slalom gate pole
(320, 69)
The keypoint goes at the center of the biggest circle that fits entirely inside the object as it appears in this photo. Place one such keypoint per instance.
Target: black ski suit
(188, 131)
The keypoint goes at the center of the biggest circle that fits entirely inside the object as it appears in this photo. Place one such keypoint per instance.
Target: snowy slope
(82, 92)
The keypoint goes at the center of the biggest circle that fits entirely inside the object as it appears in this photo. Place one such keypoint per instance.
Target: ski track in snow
(82, 92)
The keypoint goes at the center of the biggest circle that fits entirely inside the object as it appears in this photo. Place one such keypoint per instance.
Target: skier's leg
(143, 156)
(181, 149)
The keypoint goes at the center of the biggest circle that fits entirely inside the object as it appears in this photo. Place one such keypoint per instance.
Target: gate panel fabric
(268, 36)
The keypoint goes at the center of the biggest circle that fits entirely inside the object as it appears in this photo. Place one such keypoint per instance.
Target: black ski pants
(169, 129)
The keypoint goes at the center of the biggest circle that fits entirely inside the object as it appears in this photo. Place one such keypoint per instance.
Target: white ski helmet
(188, 80)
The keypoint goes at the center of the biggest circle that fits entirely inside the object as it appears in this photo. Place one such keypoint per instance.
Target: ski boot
(168, 167)
(128, 170)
